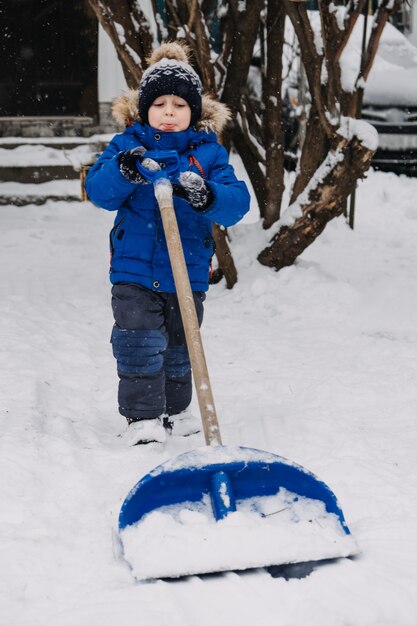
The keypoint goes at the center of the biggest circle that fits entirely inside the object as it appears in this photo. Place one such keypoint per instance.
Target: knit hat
(169, 73)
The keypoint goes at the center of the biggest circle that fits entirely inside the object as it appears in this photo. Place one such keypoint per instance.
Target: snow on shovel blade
(221, 508)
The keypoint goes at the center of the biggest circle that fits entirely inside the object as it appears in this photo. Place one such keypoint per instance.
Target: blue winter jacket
(138, 247)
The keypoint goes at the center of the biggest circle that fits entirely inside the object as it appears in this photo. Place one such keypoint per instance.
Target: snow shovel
(220, 508)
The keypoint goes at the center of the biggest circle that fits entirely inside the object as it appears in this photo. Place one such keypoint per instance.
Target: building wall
(110, 78)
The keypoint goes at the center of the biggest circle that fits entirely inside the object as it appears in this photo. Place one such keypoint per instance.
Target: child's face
(170, 114)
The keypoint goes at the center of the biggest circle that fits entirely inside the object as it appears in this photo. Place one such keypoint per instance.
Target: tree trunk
(256, 133)
(129, 31)
(274, 134)
(322, 203)
(246, 31)
(313, 153)
(224, 256)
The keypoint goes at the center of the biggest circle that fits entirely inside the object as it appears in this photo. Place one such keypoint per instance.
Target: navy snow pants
(149, 345)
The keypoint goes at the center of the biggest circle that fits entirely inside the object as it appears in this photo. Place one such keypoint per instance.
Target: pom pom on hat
(170, 73)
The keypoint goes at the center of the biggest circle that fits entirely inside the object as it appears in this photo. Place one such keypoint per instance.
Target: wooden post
(83, 175)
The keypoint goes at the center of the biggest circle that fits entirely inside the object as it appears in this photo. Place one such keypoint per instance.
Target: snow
(267, 524)
(295, 210)
(366, 133)
(68, 187)
(282, 529)
(316, 363)
(32, 154)
(75, 141)
(163, 190)
(396, 58)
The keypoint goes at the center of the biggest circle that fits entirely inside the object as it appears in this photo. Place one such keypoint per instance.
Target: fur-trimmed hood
(214, 114)
(214, 117)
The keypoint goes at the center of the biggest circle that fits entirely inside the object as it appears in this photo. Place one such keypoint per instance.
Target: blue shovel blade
(227, 475)
(205, 512)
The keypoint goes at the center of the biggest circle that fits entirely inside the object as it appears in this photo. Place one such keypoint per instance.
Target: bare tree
(331, 160)
(130, 32)
(343, 161)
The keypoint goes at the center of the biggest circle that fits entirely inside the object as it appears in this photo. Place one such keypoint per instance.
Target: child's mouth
(168, 126)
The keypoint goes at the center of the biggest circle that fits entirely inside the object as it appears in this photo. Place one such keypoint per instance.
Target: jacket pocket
(210, 244)
(117, 234)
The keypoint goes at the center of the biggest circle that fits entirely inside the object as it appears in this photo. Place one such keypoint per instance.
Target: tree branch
(319, 203)
(382, 14)
(132, 38)
(273, 130)
(246, 26)
(312, 60)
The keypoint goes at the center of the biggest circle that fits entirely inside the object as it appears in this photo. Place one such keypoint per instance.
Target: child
(169, 113)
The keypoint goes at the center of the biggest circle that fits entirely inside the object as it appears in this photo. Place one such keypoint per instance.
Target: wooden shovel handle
(163, 193)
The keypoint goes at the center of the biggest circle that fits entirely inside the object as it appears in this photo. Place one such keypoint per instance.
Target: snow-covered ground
(74, 151)
(316, 363)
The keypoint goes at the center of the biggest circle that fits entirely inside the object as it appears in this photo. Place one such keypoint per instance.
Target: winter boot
(183, 424)
(144, 431)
